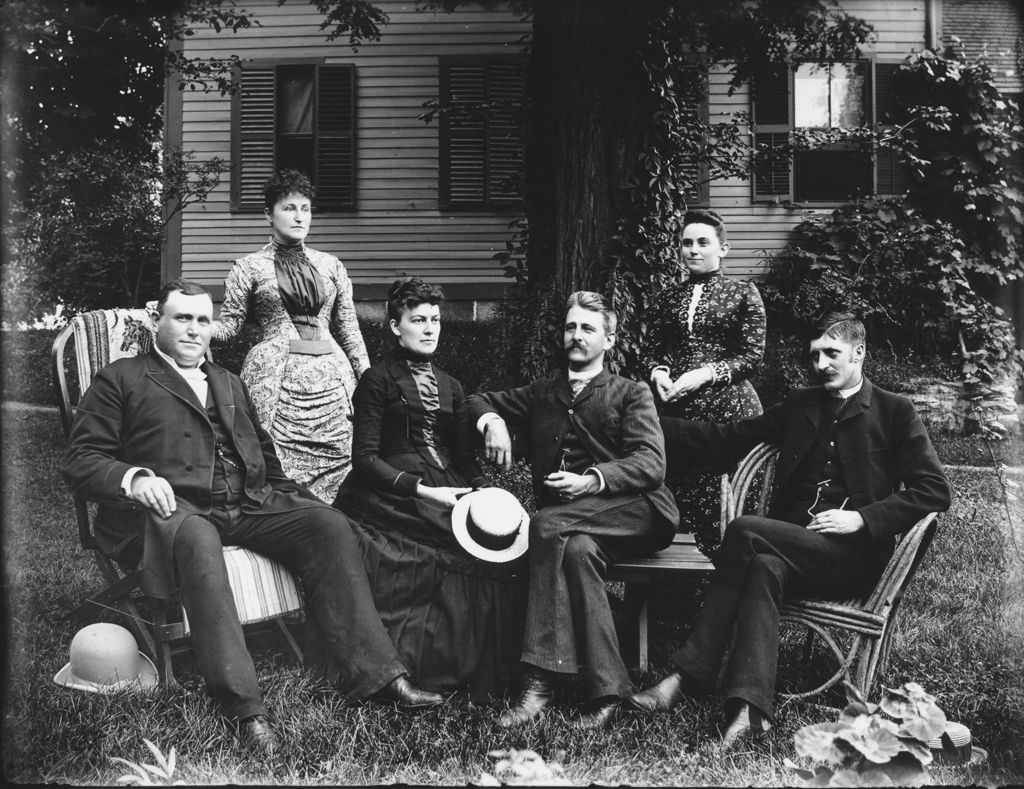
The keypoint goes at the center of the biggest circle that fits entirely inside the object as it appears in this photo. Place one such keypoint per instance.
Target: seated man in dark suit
(170, 447)
(846, 447)
(598, 463)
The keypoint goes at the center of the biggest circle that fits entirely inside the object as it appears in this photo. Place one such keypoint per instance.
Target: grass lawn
(961, 636)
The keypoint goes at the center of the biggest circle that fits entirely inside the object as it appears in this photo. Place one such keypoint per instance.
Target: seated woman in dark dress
(455, 619)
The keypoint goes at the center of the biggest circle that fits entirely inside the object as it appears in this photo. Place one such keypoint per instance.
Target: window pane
(831, 175)
(810, 87)
(296, 152)
(847, 99)
(295, 100)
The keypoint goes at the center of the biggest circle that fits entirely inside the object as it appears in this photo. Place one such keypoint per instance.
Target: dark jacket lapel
(223, 396)
(162, 375)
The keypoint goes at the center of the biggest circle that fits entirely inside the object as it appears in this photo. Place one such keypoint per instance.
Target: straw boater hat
(491, 524)
(954, 746)
(104, 658)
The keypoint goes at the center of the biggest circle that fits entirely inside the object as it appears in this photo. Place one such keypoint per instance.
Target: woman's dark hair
(404, 294)
(283, 183)
(704, 216)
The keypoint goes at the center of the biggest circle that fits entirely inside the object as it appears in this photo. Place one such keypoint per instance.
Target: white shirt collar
(846, 393)
(195, 373)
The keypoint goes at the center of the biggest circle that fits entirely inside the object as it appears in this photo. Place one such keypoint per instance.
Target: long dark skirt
(456, 621)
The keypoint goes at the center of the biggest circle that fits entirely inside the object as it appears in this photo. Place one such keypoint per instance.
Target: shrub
(906, 276)
(467, 351)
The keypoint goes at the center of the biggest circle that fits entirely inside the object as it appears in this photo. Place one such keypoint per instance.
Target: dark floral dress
(727, 333)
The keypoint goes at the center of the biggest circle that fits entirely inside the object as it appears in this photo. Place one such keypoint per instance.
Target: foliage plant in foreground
(869, 749)
(523, 768)
(159, 774)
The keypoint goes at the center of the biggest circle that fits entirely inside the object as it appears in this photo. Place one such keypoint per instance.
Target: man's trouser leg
(217, 638)
(317, 544)
(761, 561)
(569, 622)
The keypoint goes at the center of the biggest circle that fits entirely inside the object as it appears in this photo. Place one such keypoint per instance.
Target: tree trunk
(582, 137)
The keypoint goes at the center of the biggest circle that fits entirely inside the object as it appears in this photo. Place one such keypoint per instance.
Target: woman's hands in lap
(444, 496)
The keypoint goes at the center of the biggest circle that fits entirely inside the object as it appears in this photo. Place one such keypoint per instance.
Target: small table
(680, 558)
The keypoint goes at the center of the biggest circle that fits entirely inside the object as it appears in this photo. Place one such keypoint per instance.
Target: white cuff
(600, 477)
(482, 421)
(655, 369)
(129, 475)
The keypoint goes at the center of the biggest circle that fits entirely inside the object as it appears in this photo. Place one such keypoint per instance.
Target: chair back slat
(97, 338)
(910, 549)
(762, 460)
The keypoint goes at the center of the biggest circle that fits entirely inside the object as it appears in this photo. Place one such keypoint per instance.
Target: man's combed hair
(284, 183)
(704, 216)
(186, 286)
(405, 294)
(843, 326)
(594, 302)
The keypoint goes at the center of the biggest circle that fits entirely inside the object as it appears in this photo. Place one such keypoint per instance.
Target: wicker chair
(867, 621)
(264, 590)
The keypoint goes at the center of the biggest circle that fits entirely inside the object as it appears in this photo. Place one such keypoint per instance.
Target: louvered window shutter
(892, 171)
(253, 151)
(772, 122)
(481, 146)
(694, 96)
(505, 87)
(462, 167)
(335, 140)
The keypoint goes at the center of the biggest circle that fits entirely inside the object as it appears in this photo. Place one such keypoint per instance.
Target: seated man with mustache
(598, 462)
(845, 449)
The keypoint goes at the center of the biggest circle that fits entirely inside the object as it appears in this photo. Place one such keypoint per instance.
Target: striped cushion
(262, 587)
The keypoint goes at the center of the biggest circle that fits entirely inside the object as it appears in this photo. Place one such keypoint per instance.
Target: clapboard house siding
(399, 221)
(395, 223)
(759, 228)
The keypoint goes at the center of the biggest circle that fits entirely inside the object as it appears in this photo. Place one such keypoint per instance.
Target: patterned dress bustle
(728, 333)
(303, 401)
(456, 620)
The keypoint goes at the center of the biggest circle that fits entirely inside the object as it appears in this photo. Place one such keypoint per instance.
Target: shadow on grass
(961, 635)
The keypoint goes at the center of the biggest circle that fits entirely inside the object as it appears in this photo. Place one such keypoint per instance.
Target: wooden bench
(680, 558)
(747, 489)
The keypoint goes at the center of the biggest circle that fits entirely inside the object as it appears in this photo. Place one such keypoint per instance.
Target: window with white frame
(824, 96)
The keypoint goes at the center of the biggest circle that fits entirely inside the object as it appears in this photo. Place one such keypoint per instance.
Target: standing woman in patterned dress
(303, 371)
(705, 338)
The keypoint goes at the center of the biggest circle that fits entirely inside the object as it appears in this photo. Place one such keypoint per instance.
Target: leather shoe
(748, 723)
(600, 717)
(663, 697)
(538, 688)
(258, 736)
(406, 696)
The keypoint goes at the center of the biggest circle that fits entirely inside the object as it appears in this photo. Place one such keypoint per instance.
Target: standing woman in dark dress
(455, 619)
(705, 338)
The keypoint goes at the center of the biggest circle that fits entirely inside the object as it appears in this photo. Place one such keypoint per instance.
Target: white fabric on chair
(262, 587)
